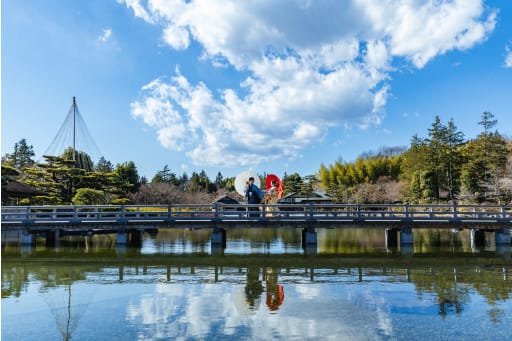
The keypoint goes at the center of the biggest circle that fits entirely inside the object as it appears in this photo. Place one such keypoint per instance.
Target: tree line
(440, 167)
(72, 178)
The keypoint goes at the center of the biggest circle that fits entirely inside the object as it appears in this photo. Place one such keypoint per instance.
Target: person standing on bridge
(253, 195)
(271, 198)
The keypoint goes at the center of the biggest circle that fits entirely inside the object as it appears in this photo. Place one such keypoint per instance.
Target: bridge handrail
(235, 211)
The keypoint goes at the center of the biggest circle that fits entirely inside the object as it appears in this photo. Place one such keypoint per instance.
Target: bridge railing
(240, 211)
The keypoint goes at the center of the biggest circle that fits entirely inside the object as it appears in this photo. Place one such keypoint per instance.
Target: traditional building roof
(226, 199)
(299, 198)
(20, 190)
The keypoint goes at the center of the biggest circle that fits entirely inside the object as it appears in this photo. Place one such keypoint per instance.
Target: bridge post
(26, 238)
(503, 236)
(308, 236)
(121, 242)
(391, 238)
(406, 236)
(27, 242)
(52, 238)
(121, 237)
(218, 239)
(122, 213)
(311, 210)
(121, 273)
(477, 239)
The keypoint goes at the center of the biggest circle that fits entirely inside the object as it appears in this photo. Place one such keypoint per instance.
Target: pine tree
(21, 157)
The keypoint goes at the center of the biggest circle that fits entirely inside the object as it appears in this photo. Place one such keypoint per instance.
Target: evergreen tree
(219, 180)
(165, 176)
(308, 185)
(455, 140)
(104, 166)
(21, 157)
(9, 174)
(57, 176)
(194, 184)
(486, 161)
(437, 152)
(96, 180)
(229, 184)
(488, 122)
(184, 181)
(82, 159)
(413, 164)
(88, 196)
(292, 183)
(205, 182)
(126, 178)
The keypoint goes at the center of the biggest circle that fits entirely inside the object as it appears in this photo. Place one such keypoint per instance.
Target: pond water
(262, 286)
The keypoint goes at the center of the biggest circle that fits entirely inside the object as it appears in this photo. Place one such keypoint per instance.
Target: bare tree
(157, 193)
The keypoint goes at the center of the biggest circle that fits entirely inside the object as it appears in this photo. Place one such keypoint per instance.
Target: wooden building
(315, 197)
(16, 191)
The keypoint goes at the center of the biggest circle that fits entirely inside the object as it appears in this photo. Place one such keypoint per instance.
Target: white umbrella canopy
(242, 178)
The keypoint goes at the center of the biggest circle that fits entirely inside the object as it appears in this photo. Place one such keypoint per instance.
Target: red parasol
(279, 186)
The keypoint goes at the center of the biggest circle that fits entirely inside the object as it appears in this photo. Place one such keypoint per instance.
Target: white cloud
(177, 37)
(185, 304)
(138, 9)
(313, 66)
(508, 57)
(420, 31)
(106, 35)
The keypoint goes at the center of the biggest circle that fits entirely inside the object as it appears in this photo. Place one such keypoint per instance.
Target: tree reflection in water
(61, 309)
(346, 256)
(452, 296)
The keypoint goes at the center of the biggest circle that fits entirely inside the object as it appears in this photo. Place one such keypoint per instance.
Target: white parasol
(242, 178)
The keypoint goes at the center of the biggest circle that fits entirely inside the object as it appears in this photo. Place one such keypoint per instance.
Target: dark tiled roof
(226, 199)
(19, 189)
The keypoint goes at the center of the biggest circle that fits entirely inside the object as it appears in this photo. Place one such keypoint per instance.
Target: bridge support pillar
(477, 239)
(406, 237)
(26, 238)
(391, 238)
(121, 238)
(218, 238)
(503, 236)
(308, 237)
(52, 238)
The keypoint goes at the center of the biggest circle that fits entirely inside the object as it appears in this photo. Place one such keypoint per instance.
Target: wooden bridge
(335, 215)
(86, 220)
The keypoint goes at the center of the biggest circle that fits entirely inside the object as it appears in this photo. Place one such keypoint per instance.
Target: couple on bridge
(254, 195)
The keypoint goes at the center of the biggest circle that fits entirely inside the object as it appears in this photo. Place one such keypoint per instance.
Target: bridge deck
(35, 218)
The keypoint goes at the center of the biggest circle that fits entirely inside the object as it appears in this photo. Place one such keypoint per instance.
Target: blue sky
(233, 85)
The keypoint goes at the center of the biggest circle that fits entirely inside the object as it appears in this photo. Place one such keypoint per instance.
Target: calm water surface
(263, 286)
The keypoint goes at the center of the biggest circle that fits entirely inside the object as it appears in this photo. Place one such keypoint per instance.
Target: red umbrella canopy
(268, 183)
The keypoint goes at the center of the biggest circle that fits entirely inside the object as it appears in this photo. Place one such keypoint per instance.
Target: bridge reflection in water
(178, 251)
(312, 240)
(438, 261)
(260, 270)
